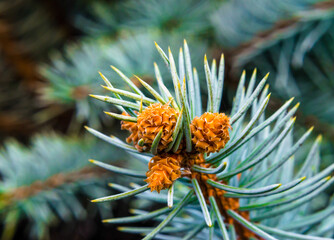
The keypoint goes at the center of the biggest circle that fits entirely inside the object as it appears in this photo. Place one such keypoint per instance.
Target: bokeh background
(50, 55)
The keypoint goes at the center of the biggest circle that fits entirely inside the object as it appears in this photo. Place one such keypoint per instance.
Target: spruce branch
(240, 167)
(41, 184)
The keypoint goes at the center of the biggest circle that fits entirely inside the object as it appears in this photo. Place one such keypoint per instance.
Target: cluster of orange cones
(210, 133)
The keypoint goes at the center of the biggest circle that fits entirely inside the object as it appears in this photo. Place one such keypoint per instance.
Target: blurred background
(50, 55)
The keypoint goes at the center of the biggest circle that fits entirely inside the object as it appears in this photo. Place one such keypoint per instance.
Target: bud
(152, 120)
(210, 132)
(163, 171)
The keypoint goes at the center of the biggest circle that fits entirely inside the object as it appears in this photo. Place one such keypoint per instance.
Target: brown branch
(262, 37)
(11, 124)
(278, 28)
(52, 182)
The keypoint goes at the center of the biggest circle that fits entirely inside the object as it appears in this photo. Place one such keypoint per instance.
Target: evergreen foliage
(238, 22)
(50, 180)
(41, 183)
(260, 190)
(189, 18)
(293, 41)
(74, 75)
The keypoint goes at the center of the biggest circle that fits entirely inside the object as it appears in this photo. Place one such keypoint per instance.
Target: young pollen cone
(210, 132)
(152, 120)
(163, 171)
